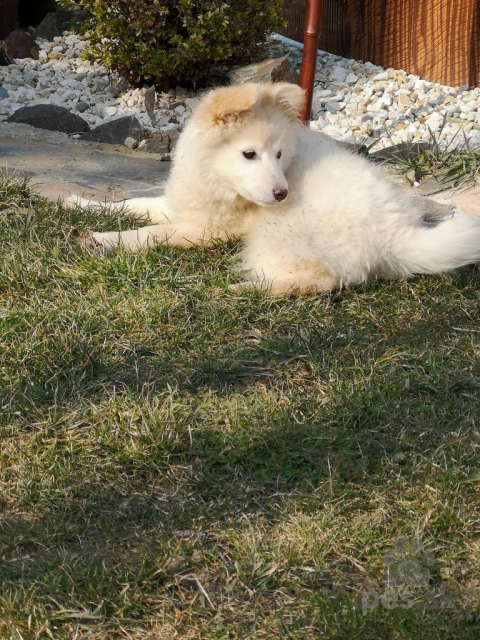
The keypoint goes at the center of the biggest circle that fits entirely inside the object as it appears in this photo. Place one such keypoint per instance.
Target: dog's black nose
(280, 194)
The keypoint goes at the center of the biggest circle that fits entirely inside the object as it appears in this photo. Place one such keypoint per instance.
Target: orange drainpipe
(313, 27)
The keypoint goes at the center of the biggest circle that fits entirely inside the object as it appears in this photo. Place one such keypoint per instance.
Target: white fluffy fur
(342, 223)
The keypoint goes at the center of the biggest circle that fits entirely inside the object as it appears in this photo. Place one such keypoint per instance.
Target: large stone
(33, 11)
(162, 143)
(66, 16)
(51, 117)
(48, 29)
(21, 45)
(116, 131)
(272, 70)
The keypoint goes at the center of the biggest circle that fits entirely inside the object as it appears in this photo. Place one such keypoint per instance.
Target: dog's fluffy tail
(450, 244)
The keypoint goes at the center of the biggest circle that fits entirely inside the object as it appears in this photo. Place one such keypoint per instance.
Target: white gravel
(355, 100)
(62, 78)
(352, 100)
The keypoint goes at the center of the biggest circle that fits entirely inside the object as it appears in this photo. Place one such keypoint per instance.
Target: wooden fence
(436, 39)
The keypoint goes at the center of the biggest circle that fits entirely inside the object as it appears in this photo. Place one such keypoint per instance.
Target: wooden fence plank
(436, 39)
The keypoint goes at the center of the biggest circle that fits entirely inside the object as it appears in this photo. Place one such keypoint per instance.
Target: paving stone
(468, 201)
(52, 158)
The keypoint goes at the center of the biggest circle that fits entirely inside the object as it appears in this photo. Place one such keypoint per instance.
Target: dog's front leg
(154, 209)
(181, 235)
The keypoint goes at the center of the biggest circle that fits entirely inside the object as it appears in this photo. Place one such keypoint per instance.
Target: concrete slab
(61, 166)
(468, 200)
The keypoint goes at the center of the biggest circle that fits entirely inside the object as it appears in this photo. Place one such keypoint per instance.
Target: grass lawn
(181, 461)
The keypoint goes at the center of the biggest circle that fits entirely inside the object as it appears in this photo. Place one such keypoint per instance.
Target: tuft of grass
(180, 461)
(451, 162)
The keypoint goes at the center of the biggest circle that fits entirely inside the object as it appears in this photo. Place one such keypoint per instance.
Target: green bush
(175, 41)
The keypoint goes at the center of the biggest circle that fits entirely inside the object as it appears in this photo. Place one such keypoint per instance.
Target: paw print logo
(408, 563)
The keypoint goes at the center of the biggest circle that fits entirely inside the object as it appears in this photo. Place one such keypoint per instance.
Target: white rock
(434, 122)
(470, 106)
(338, 74)
(375, 106)
(191, 103)
(19, 96)
(451, 109)
(366, 128)
(353, 99)
(333, 106)
(73, 39)
(386, 100)
(131, 143)
(403, 100)
(323, 93)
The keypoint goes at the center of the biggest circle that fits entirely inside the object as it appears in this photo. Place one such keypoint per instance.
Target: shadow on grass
(140, 522)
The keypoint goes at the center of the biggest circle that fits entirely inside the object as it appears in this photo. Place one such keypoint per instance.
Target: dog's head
(251, 131)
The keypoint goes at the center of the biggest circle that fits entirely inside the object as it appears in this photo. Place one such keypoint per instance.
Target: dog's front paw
(76, 201)
(88, 242)
(70, 202)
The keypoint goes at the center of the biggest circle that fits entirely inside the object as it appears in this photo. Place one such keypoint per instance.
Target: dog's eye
(279, 154)
(249, 155)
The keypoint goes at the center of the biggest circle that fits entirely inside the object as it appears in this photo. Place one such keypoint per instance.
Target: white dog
(312, 215)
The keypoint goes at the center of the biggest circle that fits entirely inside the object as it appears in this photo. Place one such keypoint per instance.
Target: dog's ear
(227, 105)
(289, 98)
